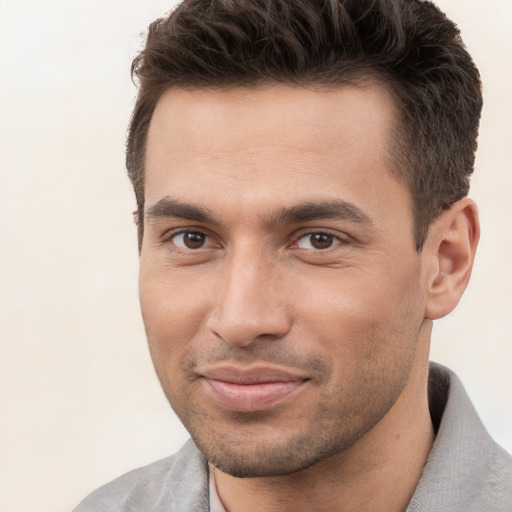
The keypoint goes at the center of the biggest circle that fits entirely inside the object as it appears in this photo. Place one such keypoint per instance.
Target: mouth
(252, 389)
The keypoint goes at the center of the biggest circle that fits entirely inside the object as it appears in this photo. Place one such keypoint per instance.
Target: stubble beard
(261, 444)
(240, 452)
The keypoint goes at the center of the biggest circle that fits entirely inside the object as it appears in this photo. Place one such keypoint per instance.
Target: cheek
(368, 331)
(173, 314)
(363, 316)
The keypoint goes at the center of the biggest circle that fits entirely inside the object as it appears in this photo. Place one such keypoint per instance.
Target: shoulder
(467, 470)
(498, 478)
(179, 482)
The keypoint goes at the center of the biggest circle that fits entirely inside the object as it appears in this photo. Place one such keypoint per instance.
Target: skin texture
(239, 267)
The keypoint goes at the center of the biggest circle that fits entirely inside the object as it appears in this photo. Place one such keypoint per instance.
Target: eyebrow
(169, 208)
(335, 209)
(304, 212)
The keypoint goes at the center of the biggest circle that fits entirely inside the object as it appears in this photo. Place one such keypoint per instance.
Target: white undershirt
(215, 503)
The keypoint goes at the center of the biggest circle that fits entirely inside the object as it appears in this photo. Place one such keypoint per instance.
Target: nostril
(240, 331)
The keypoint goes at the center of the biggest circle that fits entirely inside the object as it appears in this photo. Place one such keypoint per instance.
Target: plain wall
(79, 403)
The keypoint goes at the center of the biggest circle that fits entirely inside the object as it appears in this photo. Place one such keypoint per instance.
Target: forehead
(220, 117)
(287, 143)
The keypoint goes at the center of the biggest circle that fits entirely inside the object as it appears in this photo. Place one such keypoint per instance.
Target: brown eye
(190, 240)
(317, 241)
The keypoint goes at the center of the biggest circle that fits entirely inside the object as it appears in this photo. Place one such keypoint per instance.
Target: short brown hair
(409, 45)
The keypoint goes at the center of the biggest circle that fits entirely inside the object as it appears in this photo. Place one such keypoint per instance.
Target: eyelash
(171, 236)
(336, 239)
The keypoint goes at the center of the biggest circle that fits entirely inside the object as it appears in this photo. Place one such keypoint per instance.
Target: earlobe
(453, 243)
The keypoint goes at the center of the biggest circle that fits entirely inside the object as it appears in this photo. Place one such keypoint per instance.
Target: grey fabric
(466, 470)
(176, 484)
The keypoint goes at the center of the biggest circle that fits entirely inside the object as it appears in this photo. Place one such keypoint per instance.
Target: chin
(260, 459)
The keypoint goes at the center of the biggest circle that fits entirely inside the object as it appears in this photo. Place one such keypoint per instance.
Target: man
(301, 172)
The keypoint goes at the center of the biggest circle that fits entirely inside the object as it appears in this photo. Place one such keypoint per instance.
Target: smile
(257, 389)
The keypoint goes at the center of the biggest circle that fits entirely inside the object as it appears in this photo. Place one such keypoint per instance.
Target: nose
(249, 303)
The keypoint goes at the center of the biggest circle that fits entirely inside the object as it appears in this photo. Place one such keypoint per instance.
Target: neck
(379, 472)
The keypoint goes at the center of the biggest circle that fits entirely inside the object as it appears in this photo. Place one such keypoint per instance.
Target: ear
(452, 243)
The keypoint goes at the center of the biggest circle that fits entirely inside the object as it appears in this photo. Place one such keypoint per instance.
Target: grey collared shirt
(466, 470)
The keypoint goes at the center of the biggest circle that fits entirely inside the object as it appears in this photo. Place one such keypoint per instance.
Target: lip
(251, 389)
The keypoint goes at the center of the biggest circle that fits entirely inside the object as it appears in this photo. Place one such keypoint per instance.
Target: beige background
(79, 403)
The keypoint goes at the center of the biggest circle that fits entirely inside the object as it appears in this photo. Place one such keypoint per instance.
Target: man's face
(280, 287)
